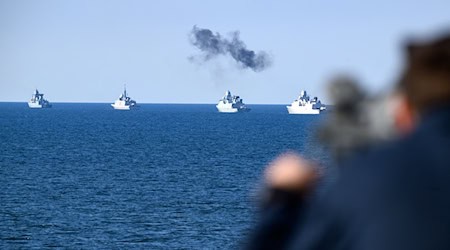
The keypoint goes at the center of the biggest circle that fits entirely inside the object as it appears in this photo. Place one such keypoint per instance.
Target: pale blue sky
(83, 51)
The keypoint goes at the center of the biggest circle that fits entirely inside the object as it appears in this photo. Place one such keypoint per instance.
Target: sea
(162, 176)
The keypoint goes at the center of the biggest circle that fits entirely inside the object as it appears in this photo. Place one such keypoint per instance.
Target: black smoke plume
(212, 45)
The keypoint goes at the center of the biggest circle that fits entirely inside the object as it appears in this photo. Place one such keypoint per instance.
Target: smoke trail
(213, 44)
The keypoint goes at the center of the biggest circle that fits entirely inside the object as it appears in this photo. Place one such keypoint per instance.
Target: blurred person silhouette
(391, 195)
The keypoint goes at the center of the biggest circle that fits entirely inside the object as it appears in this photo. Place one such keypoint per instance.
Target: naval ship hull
(231, 109)
(302, 110)
(34, 105)
(121, 107)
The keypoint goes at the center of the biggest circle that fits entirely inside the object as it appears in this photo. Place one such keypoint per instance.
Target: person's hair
(426, 77)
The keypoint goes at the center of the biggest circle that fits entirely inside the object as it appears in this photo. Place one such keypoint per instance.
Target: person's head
(425, 80)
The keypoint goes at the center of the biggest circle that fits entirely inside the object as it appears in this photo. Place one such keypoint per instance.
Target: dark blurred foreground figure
(396, 196)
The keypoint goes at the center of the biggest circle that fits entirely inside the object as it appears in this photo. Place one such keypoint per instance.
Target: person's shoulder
(405, 152)
(379, 169)
(383, 157)
(391, 165)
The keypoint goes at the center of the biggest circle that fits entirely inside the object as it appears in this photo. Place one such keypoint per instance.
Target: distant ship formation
(304, 105)
(37, 101)
(124, 102)
(228, 104)
(231, 104)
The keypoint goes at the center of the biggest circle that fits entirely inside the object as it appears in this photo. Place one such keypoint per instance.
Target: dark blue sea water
(159, 177)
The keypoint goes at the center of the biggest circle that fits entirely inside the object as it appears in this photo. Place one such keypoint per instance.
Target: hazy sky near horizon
(84, 51)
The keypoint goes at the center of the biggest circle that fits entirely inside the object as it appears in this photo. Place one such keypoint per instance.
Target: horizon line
(176, 103)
